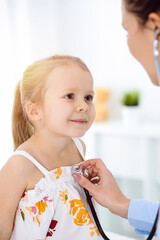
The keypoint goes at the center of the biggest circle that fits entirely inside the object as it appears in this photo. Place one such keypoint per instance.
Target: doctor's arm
(141, 214)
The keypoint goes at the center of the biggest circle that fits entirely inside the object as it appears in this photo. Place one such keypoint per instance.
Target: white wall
(89, 29)
(92, 30)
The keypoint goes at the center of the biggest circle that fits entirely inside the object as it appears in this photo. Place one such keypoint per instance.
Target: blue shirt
(142, 214)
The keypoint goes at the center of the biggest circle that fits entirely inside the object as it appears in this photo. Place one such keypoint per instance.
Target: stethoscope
(84, 171)
(156, 53)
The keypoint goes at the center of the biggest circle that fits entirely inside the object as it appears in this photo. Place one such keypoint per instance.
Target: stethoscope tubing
(84, 172)
(153, 230)
(95, 215)
(151, 235)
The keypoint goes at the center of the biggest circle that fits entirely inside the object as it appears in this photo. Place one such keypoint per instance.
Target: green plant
(131, 98)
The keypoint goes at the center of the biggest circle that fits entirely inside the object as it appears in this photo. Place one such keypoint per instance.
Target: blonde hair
(31, 88)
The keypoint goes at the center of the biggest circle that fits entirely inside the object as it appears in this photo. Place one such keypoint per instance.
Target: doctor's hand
(103, 187)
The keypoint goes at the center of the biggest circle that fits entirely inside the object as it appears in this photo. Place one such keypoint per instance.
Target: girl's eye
(89, 98)
(69, 96)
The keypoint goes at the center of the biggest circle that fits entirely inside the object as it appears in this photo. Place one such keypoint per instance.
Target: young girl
(39, 198)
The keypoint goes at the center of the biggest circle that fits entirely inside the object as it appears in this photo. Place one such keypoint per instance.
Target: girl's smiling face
(68, 107)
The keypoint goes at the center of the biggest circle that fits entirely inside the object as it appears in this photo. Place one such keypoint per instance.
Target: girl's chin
(78, 135)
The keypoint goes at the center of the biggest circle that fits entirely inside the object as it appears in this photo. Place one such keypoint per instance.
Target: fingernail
(76, 176)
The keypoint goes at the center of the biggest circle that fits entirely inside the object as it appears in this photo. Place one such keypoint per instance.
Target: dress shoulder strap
(33, 160)
(79, 146)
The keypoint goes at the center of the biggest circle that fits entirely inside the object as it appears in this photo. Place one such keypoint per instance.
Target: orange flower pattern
(81, 216)
(37, 210)
(58, 172)
(77, 210)
(64, 196)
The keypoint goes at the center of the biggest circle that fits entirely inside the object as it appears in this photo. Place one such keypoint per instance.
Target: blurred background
(91, 30)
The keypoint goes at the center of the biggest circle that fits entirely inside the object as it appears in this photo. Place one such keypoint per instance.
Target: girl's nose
(82, 107)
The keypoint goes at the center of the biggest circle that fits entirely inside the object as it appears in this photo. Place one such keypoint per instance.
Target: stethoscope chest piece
(80, 170)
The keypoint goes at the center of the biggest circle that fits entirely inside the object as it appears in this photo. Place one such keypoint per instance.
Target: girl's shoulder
(20, 164)
(21, 169)
(14, 180)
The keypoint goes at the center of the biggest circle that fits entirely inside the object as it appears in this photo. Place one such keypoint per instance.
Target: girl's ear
(155, 19)
(33, 112)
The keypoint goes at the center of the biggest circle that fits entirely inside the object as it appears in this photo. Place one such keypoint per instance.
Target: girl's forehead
(69, 68)
(68, 74)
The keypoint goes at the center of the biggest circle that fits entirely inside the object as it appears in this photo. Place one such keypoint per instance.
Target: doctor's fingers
(99, 170)
(94, 172)
(95, 180)
(85, 183)
(97, 162)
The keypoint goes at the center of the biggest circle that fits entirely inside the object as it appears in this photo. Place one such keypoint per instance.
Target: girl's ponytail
(22, 130)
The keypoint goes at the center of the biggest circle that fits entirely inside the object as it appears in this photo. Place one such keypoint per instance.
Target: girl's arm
(13, 182)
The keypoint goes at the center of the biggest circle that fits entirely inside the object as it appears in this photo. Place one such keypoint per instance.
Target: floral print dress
(56, 208)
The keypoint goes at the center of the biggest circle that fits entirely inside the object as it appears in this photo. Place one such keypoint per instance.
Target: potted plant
(131, 106)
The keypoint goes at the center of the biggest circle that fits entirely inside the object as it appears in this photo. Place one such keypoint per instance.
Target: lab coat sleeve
(142, 214)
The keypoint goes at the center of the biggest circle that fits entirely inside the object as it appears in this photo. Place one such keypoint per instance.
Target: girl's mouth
(79, 121)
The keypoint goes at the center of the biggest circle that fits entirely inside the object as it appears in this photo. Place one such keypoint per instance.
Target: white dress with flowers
(55, 209)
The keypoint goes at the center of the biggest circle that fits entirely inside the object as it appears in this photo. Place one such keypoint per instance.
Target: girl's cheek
(93, 113)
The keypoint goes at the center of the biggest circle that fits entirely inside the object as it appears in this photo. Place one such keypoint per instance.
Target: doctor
(141, 20)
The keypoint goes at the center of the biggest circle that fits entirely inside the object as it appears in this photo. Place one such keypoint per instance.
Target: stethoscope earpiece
(156, 53)
(157, 32)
